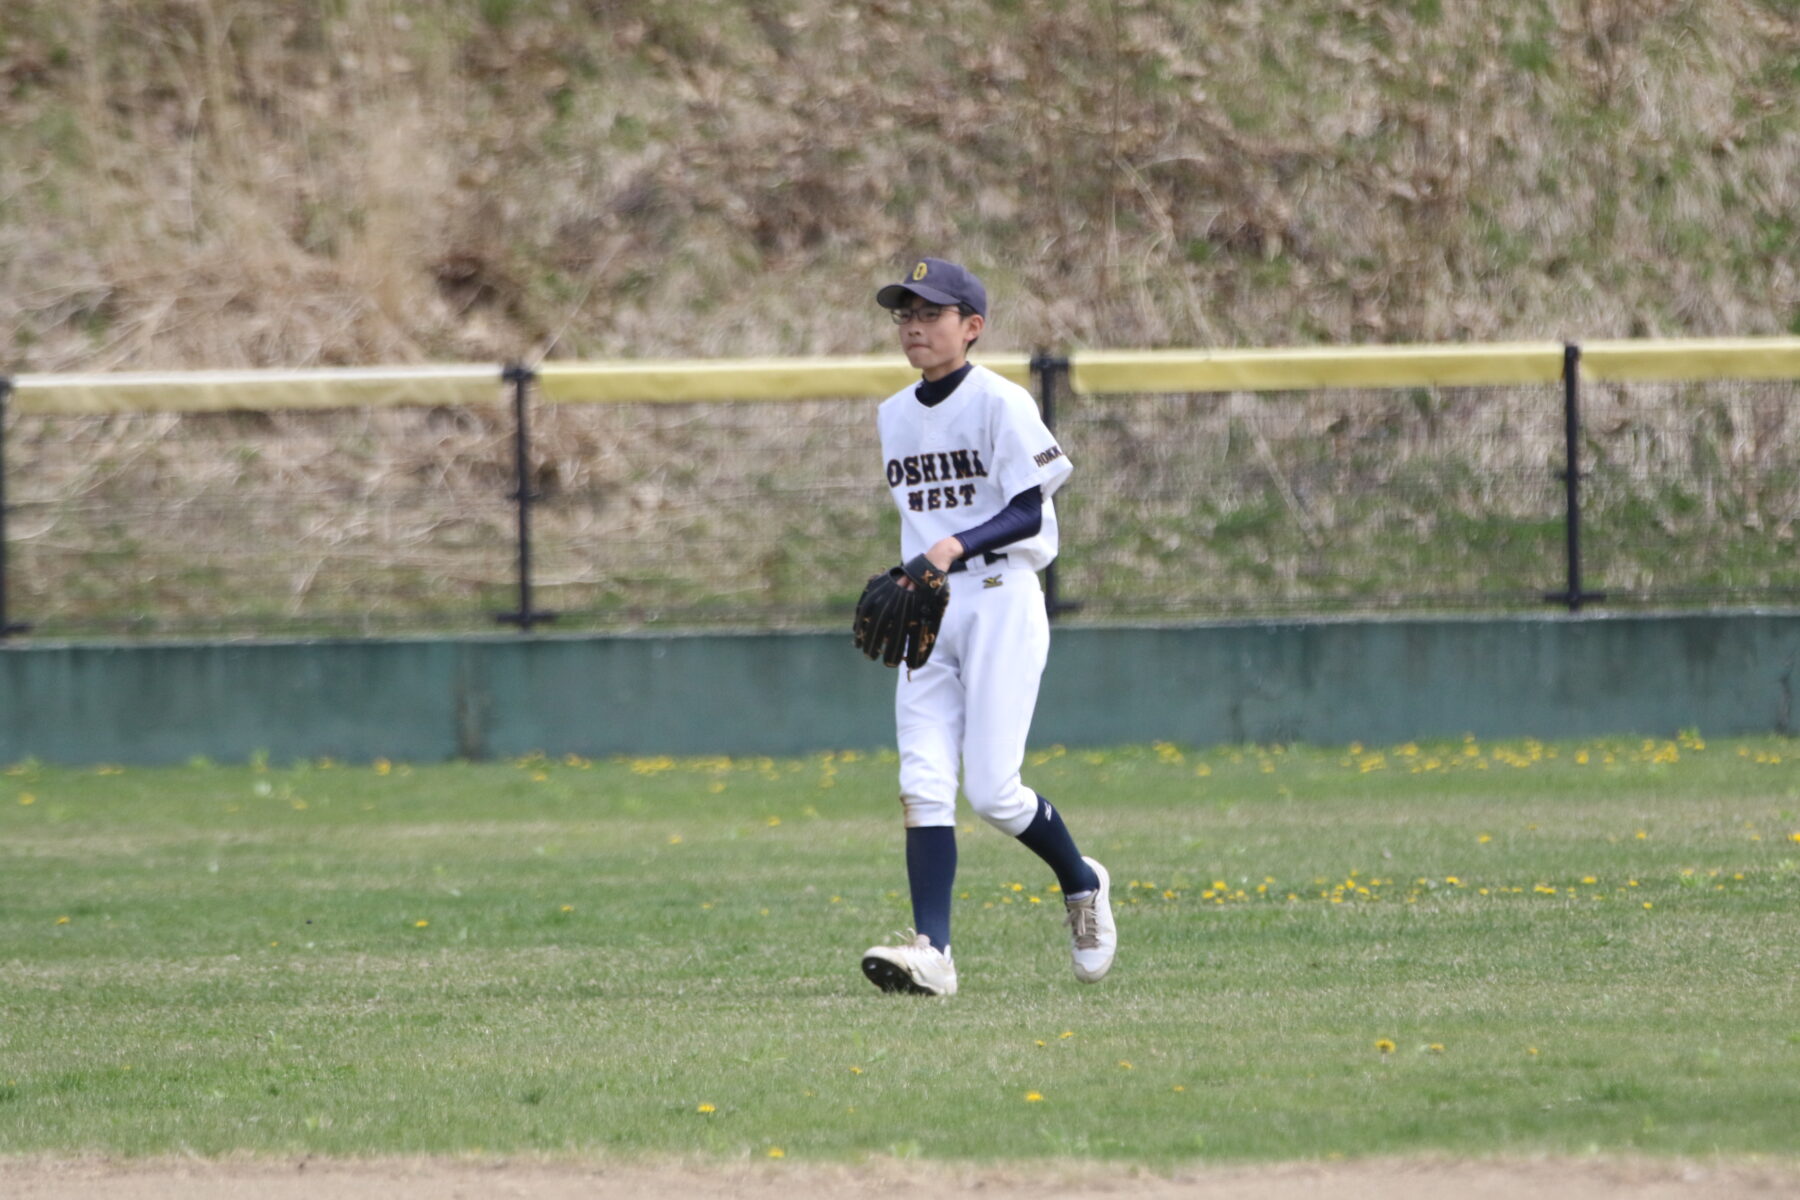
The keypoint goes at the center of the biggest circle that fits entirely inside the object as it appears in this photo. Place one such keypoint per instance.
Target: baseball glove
(895, 623)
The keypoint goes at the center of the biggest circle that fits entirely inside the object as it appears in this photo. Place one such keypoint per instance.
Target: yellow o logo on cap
(919, 272)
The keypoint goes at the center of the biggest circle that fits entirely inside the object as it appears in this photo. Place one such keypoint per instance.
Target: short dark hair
(965, 311)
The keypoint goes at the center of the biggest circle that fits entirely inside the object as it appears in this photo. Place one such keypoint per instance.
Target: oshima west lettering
(934, 468)
(942, 468)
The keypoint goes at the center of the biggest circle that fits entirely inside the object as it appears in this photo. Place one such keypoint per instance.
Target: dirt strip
(440, 1179)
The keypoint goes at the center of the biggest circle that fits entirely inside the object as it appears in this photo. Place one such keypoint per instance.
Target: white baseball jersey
(957, 463)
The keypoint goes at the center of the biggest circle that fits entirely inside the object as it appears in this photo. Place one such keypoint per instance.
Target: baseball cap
(939, 282)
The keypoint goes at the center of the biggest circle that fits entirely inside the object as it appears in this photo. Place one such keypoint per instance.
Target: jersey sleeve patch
(1027, 454)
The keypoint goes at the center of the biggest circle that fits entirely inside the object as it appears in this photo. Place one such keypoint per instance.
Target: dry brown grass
(226, 182)
(211, 183)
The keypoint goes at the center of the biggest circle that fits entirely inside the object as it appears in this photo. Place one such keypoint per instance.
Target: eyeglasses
(925, 314)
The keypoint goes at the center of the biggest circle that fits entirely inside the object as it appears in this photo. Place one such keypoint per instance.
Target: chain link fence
(768, 514)
(1247, 504)
(1286, 502)
(1691, 492)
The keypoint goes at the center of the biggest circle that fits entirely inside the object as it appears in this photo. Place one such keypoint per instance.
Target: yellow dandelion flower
(706, 1108)
(1178, 1088)
(774, 821)
(1648, 904)
(1042, 1042)
(1035, 900)
(1066, 1034)
(421, 924)
(1589, 879)
(1643, 835)
(1794, 837)
(777, 1152)
(856, 1070)
(568, 908)
(62, 920)
(1485, 838)
(674, 839)
(27, 799)
(1017, 887)
(1125, 1065)
(1033, 1097)
(1436, 1047)
(1384, 1045)
(1532, 1050)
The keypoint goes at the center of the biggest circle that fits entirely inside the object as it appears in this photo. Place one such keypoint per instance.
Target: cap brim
(894, 295)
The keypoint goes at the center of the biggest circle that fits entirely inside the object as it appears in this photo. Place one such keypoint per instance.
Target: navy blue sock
(1048, 838)
(931, 871)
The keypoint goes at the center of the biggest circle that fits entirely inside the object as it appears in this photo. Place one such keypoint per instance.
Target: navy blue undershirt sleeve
(1022, 517)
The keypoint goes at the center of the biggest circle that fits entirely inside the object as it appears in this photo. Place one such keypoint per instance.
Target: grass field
(1466, 948)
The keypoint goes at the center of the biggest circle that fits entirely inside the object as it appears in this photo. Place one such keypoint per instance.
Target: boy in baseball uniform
(972, 469)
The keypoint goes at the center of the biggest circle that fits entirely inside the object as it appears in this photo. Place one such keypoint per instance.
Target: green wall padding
(1323, 682)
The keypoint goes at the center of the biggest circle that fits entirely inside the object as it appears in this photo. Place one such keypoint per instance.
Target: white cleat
(1094, 937)
(914, 966)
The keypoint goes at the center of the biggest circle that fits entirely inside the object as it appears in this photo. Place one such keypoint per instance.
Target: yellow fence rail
(1090, 372)
(220, 391)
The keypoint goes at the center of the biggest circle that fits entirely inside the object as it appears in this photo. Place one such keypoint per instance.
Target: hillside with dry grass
(194, 183)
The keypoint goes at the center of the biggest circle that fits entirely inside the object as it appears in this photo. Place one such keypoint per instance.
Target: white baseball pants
(972, 703)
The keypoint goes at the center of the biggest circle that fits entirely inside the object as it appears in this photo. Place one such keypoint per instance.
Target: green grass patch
(1463, 948)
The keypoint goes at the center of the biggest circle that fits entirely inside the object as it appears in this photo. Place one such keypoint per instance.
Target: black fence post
(1574, 597)
(7, 627)
(1047, 369)
(521, 378)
